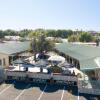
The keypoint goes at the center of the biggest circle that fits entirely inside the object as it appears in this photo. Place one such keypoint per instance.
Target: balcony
(89, 87)
(40, 75)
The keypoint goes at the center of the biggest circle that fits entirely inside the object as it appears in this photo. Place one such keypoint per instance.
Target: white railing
(64, 78)
(84, 89)
(40, 75)
(89, 91)
(15, 73)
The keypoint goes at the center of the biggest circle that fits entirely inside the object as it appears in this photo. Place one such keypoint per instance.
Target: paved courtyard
(26, 91)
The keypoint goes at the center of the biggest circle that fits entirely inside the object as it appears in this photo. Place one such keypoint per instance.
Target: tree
(1, 34)
(10, 32)
(39, 44)
(55, 69)
(97, 42)
(36, 33)
(59, 33)
(24, 33)
(57, 40)
(73, 38)
(86, 37)
(34, 48)
(51, 33)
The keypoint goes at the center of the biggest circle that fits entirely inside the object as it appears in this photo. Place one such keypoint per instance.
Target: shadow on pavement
(90, 97)
(9, 82)
(52, 88)
(22, 85)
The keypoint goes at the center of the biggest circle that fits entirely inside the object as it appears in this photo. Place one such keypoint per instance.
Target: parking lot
(26, 91)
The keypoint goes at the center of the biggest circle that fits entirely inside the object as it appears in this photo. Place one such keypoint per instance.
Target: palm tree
(40, 44)
(55, 69)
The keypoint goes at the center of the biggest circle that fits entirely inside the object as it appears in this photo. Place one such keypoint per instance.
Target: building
(39, 72)
(86, 43)
(11, 51)
(87, 59)
(84, 57)
(14, 38)
(1, 74)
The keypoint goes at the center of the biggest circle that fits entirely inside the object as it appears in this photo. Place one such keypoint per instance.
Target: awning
(56, 58)
(89, 64)
(41, 63)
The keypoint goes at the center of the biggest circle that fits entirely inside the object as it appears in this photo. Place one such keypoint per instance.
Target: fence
(40, 76)
(85, 89)
(89, 91)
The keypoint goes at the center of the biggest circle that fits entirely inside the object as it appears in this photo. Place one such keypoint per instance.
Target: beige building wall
(4, 60)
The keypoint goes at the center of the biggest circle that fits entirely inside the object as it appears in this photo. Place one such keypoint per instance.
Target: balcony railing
(40, 75)
(64, 78)
(85, 89)
(15, 73)
(89, 91)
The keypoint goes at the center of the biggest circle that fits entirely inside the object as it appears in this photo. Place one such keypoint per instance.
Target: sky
(50, 14)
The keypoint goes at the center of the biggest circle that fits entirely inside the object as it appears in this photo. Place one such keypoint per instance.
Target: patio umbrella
(19, 61)
(56, 58)
(65, 64)
(41, 63)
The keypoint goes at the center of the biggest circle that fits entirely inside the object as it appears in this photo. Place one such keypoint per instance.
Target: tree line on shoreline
(73, 36)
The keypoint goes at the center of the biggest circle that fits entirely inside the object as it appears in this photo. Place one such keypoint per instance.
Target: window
(31, 79)
(0, 62)
(4, 62)
(9, 77)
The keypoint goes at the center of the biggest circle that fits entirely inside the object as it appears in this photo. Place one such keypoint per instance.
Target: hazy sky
(51, 14)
